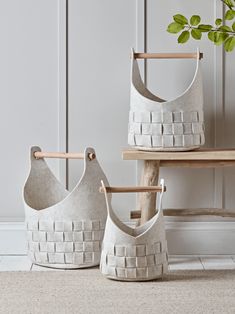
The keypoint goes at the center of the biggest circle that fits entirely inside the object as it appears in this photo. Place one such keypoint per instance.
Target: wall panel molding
(157, 18)
(195, 237)
(101, 35)
(219, 111)
(63, 86)
(141, 45)
(31, 94)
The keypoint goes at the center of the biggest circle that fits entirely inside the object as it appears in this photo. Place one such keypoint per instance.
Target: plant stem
(230, 7)
(213, 30)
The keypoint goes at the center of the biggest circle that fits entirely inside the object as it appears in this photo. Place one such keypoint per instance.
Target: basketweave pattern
(166, 129)
(65, 242)
(135, 262)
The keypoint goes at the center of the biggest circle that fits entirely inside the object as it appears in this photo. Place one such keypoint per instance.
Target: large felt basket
(156, 124)
(64, 229)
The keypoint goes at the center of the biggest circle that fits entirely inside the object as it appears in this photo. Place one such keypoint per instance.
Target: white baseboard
(201, 238)
(189, 238)
(12, 238)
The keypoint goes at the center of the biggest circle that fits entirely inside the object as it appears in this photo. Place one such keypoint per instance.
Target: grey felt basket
(134, 254)
(64, 229)
(156, 124)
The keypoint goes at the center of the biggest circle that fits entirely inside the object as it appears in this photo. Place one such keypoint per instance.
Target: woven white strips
(62, 242)
(166, 129)
(166, 116)
(137, 262)
(76, 258)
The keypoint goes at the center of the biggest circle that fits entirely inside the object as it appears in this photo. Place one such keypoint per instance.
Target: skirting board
(12, 238)
(186, 238)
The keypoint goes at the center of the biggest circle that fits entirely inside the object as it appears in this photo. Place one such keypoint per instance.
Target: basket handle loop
(167, 55)
(40, 155)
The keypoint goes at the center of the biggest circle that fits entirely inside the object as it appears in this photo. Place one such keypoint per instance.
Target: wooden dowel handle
(135, 214)
(131, 189)
(144, 55)
(39, 155)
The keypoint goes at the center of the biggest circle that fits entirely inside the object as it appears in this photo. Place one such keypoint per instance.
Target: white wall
(170, 78)
(29, 87)
(100, 33)
(214, 188)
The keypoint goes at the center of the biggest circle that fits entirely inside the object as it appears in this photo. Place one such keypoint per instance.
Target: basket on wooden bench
(64, 229)
(138, 254)
(160, 125)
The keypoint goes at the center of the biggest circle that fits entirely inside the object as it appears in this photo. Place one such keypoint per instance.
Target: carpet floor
(87, 291)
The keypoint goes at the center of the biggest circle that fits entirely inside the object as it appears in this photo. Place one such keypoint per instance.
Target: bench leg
(147, 201)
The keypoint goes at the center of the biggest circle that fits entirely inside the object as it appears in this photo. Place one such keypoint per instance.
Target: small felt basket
(134, 254)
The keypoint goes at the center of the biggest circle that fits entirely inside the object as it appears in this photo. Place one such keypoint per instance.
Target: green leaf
(205, 27)
(233, 26)
(175, 28)
(179, 18)
(195, 20)
(220, 38)
(184, 37)
(217, 37)
(225, 28)
(229, 44)
(218, 22)
(211, 36)
(229, 3)
(229, 15)
(224, 36)
(196, 34)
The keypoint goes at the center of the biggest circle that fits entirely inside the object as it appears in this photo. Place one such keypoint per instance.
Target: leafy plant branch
(219, 33)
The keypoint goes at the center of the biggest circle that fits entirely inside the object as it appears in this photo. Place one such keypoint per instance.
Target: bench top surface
(200, 154)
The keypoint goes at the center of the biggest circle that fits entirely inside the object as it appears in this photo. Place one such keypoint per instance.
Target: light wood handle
(144, 55)
(131, 189)
(39, 155)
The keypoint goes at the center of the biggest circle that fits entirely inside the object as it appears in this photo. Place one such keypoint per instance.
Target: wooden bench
(203, 158)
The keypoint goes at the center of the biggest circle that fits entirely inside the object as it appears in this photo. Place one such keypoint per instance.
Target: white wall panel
(34, 103)
(169, 78)
(28, 92)
(229, 127)
(101, 34)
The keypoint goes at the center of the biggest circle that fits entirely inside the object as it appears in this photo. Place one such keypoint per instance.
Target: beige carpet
(86, 291)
